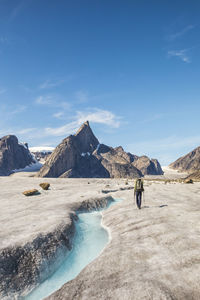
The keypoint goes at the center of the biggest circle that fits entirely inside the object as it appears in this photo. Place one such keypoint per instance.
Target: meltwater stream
(89, 240)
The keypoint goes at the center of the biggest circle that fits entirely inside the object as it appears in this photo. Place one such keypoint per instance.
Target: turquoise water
(89, 241)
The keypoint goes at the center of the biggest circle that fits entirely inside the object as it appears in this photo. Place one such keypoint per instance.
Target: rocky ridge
(13, 155)
(82, 156)
(189, 162)
(195, 176)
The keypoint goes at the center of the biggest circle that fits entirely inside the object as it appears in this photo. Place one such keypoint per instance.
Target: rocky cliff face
(148, 166)
(13, 155)
(189, 163)
(81, 155)
(85, 139)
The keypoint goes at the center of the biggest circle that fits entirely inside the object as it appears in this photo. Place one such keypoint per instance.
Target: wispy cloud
(44, 100)
(81, 96)
(52, 101)
(26, 130)
(51, 84)
(26, 88)
(17, 110)
(180, 33)
(18, 8)
(97, 116)
(2, 90)
(153, 118)
(4, 40)
(8, 113)
(182, 54)
(59, 115)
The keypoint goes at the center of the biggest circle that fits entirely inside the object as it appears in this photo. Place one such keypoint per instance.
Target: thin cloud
(58, 115)
(17, 110)
(2, 90)
(25, 131)
(81, 96)
(7, 113)
(17, 10)
(26, 88)
(62, 130)
(44, 100)
(51, 84)
(98, 116)
(182, 54)
(180, 33)
(52, 101)
(4, 40)
(153, 118)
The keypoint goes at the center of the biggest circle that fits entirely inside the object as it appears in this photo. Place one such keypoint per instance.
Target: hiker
(138, 191)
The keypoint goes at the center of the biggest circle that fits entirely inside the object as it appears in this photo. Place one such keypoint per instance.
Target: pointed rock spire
(86, 139)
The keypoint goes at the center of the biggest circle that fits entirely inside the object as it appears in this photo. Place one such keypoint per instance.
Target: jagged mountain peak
(84, 127)
(87, 141)
(81, 155)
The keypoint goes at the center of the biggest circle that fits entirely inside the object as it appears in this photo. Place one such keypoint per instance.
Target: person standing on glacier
(138, 190)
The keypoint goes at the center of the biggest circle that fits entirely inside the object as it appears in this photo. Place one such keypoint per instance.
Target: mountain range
(189, 163)
(82, 156)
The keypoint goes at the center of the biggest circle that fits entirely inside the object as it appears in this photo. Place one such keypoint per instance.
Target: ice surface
(89, 240)
(31, 168)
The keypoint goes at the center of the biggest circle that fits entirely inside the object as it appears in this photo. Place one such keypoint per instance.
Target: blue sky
(132, 68)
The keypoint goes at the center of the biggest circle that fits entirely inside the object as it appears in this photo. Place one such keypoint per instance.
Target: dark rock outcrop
(13, 155)
(82, 156)
(188, 163)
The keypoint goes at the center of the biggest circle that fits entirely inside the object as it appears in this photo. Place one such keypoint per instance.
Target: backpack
(139, 185)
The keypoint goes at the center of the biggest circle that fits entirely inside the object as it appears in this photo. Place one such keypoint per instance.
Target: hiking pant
(138, 198)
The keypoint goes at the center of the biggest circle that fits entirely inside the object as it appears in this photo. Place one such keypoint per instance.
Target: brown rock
(45, 185)
(188, 181)
(31, 192)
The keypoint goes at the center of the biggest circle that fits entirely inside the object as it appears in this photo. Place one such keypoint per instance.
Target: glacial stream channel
(89, 240)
